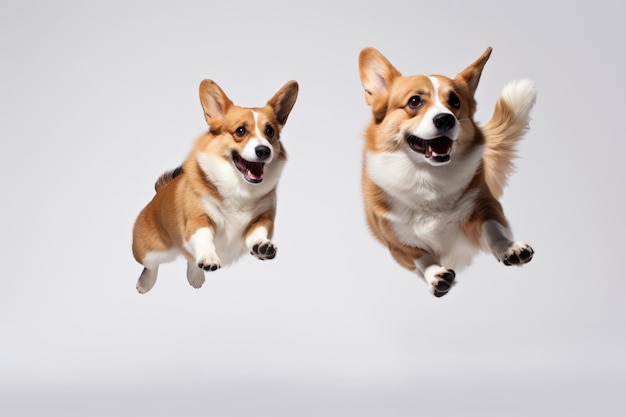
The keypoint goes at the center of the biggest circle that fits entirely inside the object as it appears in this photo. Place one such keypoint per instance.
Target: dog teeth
(252, 175)
(431, 153)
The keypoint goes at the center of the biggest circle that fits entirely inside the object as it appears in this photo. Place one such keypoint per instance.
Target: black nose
(263, 152)
(444, 121)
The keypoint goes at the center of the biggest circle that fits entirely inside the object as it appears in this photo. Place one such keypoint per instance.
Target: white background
(97, 99)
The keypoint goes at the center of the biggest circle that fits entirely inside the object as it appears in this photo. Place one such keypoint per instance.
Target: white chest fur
(242, 202)
(428, 204)
(231, 219)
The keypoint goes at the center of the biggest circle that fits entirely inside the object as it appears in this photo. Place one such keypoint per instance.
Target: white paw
(195, 275)
(439, 280)
(264, 249)
(146, 280)
(209, 262)
(519, 253)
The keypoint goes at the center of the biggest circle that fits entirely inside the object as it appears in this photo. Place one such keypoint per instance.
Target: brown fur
(179, 208)
(474, 198)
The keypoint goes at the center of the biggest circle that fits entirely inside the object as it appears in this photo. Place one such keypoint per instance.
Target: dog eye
(269, 131)
(241, 131)
(454, 101)
(414, 102)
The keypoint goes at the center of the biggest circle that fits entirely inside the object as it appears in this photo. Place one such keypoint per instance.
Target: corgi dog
(432, 177)
(221, 203)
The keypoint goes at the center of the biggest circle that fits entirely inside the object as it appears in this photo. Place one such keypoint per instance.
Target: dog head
(429, 116)
(248, 139)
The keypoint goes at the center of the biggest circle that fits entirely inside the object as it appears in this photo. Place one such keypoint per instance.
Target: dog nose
(263, 152)
(444, 121)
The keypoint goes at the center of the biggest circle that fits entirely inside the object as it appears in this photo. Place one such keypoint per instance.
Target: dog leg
(147, 279)
(439, 279)
(151, 261)
(259, 245)
(195, 275)
(499, 240)
(203, 250)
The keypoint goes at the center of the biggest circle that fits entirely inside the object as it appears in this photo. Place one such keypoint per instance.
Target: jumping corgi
(431, 175)
(221, 203)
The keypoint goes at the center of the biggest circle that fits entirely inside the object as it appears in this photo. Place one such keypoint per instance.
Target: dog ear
(214, 102)
(377, 75)
(283, 101)
(470, 76)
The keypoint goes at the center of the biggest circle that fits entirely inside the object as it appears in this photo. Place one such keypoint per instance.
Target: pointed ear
(377, 75)
(470, 76)
(214, 102)
(283, 101)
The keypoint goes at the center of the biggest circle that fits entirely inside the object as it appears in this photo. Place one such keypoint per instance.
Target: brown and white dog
(221, 203)
(431, 176)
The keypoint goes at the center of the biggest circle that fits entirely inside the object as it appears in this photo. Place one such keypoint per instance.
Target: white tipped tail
(507, 126)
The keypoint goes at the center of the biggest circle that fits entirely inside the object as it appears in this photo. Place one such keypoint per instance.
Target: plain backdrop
(98, 98)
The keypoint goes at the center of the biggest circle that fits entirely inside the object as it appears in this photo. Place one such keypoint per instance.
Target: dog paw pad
(208, 267)
(264, 250)
(442, 282)
(209, 263)
(518, 254)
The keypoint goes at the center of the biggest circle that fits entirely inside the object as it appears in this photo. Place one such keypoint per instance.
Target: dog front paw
(440, 280)
(264, 250)
(209, 263)
(519, 253)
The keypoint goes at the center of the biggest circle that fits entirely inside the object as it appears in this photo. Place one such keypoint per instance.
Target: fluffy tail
(507, 126)
(167, 177)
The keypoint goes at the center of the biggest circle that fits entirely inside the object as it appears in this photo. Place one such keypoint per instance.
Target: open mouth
(252, 171)
(437, 149)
